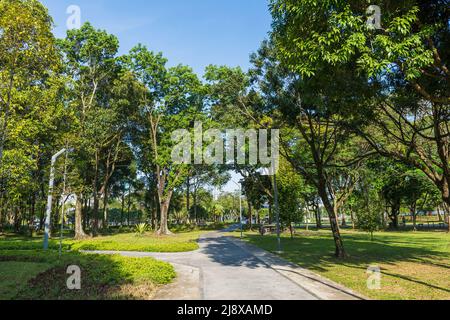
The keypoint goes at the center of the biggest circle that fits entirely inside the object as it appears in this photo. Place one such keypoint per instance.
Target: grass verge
(414, 265)
(149, 242)
(42, 275)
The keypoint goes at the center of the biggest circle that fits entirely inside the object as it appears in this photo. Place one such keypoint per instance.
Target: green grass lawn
(179, 242)
(414, 265)
(184, 240)
(15, 275)
(42, 275)
(26, 272)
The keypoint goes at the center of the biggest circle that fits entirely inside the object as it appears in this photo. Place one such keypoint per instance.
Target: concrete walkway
(229, 269)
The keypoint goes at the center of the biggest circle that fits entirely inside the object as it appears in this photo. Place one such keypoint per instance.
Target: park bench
(432, 225)
(270, 228)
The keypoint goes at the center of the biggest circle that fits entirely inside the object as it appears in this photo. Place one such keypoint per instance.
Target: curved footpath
(229, 269)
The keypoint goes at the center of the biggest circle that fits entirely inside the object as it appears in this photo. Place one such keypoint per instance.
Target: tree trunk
(95, 191)
(270, 213)
(105, 209)
(164, 225)
(86, 208)
(395, 211)
(332, 214)
(250, 215)
(440, 214)
(318, 216)
(447, 212)
(155, 213)
(352, 217)
(122, 210)
(188, 195)
(17, 221)
(79, 232)
(32, 213)
(95, 213)
(1, 214)
(129, 205)
(195, 206)
(307, 219)
(414, 216)
(344, 222)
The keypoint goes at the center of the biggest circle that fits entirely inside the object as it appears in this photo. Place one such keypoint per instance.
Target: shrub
(369, 220)
(141, 229)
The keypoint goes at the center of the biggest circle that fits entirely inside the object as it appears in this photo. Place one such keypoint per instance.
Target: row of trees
(116, 113)
(363, 113)
(354, 92)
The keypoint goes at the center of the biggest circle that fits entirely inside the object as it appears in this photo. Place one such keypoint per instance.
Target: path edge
(293, 272)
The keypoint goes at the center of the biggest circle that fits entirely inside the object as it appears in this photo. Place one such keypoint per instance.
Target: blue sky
(192, 32)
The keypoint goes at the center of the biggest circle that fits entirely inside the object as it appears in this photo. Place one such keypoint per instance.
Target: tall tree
(407, 57)
(315, 113)
(30, 108)
(91, 65)
(170, 100)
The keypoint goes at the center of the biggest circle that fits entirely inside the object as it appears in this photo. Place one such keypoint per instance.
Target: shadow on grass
(404, 277)
(102, 277)
(316, 252)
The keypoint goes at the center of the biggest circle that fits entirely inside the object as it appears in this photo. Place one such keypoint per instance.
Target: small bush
(141, 229)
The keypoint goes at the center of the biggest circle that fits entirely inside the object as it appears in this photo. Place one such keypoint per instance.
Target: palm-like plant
(141, 228)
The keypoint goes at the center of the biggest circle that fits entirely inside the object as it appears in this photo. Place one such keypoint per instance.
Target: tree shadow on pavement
(223, 251)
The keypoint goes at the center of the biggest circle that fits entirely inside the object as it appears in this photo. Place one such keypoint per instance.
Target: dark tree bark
(395, 211)
(414, 215)
(188, 195)
(155, 212)
(95, 214)
(332, 214)
(352, 217)
(318, 214)
(129, 205)
(250, 215)
(122, 210)
(105, 210)
(1, 213)
(440, 214)
(95, 196)
(270, 213)
(344, 222)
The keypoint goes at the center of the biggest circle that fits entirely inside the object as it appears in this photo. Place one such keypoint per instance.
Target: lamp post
(277, 211)
(63, 204)
(50, 197)
(240, 207)
(273, 171)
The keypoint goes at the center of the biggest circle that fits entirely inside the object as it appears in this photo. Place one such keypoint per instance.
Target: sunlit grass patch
(148, 242)
(414, 265)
